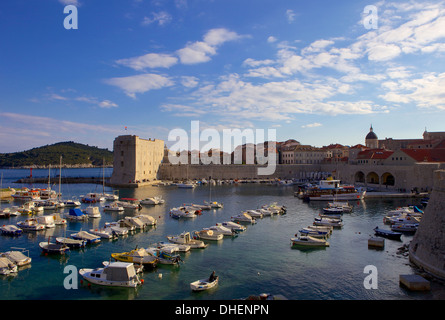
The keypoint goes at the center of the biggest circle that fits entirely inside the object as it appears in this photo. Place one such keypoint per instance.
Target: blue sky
(309, 69)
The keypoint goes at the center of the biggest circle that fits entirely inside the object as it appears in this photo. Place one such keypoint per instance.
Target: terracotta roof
(426, 155)
(374, 154)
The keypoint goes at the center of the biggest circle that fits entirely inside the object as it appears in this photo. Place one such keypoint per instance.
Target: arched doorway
(388, 179)
(372, 178)
(359, 177)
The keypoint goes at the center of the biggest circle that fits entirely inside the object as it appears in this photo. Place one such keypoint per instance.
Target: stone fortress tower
(136, 161)
(427, 249)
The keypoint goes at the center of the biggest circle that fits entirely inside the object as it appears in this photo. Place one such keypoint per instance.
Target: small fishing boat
(387, 233)
(92, 197)
(218, 229)
(17, 257)
(314, 233)
(321, 228)
(104, 233)
(254, 213)
(172, 247)
(120, 274)
(53, 248)
(147, 220)
(328, 222)
(92, 212)
(185, 238)
(72, 203)
(114, 206)
(333, 210)
(405, 227)
(214, 204)
(76, 215)
(204, 284)
(88, 237)
(244, 217)
(207, 235)
(183, 212)
(47, 221)
(152, 200)
(164, 255)
(139, 256)
(120, 231)
(7, 266)
(11, 230)
(72, 243)
(134, 222)
(308, 241)
(30, 225)
(233, 226)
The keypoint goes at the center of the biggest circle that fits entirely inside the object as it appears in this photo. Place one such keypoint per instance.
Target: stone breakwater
(427, 249)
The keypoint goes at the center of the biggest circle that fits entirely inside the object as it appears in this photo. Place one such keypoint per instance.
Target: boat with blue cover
(387, 233)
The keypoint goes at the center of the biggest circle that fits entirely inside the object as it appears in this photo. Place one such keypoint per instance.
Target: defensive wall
(427, 249)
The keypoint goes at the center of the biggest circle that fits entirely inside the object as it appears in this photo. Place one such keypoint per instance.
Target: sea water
(258, 260)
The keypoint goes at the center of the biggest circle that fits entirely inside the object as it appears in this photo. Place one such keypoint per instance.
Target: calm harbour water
(259, 260)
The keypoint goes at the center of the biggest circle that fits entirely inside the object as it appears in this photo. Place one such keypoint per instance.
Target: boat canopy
(119, 271)
(76, 212)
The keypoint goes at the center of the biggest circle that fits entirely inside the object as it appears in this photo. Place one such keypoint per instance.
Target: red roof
(426, 155)
(374, 154)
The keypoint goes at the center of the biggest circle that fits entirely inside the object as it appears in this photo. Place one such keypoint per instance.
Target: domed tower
(371, 140)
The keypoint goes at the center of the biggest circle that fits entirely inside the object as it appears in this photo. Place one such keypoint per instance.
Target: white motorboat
(203, 284)
(88, 237)
(172, 247)
(244, 217)
(104, 233)
(218, 229)
(308, 241)
(72, 243)
(58, 220)
(30, 225)
(92, 197)
(134, 222)
(254, 213)
(328, 222)
(92, 212)
(26, 194)
(7, 266)
(11, 230)
(114, 206)
(53, 248)
(117, 229)
(72, 203)
(344, 206)
(214, 204)
(153, 200)
(120, 224)
(185, 238)
(147, 220)
(321, 228)
(206, 234)
(183, 212)
(188, 185)
(17, 257)
(121, 274)
(130, 203)
(47, 221)
(232, 225)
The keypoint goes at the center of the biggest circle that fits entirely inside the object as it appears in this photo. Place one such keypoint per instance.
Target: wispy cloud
(312, 125)
(140, 83)
(161, 18)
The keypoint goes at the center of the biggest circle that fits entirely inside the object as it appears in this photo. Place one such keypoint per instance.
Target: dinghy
(203, 284)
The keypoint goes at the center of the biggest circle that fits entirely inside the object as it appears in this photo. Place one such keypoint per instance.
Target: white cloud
(201, 51)
(140, 83)
(68, 2)
(290, 15)
(271, 39)
(149, 60)
(383, 52)
(189, 81)
(312, 125)
(161, 18)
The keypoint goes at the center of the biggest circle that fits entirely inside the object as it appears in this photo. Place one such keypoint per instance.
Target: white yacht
(118, 274)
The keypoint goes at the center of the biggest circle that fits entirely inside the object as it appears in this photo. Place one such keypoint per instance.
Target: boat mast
(60, 177)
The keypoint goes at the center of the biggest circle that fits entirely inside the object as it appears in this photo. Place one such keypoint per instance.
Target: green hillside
(72, 154)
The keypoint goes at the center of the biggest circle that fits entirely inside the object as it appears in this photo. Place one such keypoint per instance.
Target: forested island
(73, 155)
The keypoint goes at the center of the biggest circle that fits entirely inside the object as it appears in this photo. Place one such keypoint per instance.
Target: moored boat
(308, 241)
(88, 237)
(120, 274)
(138, 256)
(53, 248)
(185, 238)
(387, 233)
(11, 230)
(207, 235)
